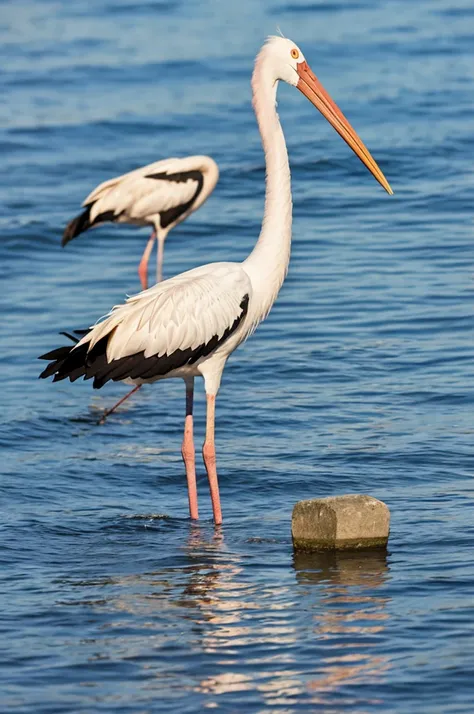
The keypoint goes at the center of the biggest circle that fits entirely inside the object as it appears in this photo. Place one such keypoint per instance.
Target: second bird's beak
(312, 88)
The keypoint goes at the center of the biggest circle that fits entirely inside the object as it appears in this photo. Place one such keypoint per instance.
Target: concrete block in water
(340, 522)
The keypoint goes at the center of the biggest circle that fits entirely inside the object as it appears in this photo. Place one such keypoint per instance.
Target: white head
(282, 59)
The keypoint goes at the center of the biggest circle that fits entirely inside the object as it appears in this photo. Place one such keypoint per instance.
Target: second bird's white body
(162, 195)
(140, 197)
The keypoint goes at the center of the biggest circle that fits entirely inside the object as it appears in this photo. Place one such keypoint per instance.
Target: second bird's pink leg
(108, 412)
(209, 454)
(188, 451)
(143, 266)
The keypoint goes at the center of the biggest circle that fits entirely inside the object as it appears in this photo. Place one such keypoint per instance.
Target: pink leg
(143, 267)
(187, 451)
(108, 412)
(159, 258)
(209, 454)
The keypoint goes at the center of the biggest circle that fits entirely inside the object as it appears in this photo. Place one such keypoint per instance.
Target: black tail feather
(65, 361)
(71, 362)
(69, 336)
(76, 361)
(57, 354)
(78, 225)
(80, 334)
(82, 223)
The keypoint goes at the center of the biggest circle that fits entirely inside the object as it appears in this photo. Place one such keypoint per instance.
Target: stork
(189, 325)
(161, 195)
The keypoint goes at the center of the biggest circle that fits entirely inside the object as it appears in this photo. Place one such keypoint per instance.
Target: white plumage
(137, 198)
(162, 194)
(189, 325)
(181, 313)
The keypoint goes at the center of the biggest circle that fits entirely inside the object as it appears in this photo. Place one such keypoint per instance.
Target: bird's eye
(294, 53)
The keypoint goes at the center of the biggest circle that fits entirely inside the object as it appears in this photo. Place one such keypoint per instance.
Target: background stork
(161, 195)
(189, 325)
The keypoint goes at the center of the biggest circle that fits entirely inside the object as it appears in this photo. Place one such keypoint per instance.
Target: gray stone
(340, 522)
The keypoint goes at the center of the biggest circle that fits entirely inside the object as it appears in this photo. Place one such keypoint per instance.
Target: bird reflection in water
(262, 650)
(214, 621)
(243, 624)
(203, 570)
(348, 618)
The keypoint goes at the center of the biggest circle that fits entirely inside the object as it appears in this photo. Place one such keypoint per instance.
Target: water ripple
(359, 381)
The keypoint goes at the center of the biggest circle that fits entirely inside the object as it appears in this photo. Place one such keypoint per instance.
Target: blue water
(361, 380)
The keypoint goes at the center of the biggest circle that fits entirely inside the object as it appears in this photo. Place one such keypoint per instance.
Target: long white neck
(267, 264)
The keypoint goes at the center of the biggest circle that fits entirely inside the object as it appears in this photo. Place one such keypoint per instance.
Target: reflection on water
(306, 639)
(359, 381)
(245, 623)
(347, 613)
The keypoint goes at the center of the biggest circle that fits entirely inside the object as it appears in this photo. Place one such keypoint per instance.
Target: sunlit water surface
(361, 379)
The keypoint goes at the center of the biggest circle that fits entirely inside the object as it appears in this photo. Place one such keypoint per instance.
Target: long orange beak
(312, 88)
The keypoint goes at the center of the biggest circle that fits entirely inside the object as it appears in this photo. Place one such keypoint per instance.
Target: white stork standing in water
(189, 325)
(160, 195)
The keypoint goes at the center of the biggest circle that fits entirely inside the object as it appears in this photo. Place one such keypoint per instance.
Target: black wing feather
(82, 223)
(78, 225)
(74, 362)
(172, 214)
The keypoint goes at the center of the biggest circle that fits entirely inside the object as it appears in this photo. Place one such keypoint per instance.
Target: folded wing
(174, 324)
(163, 188)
